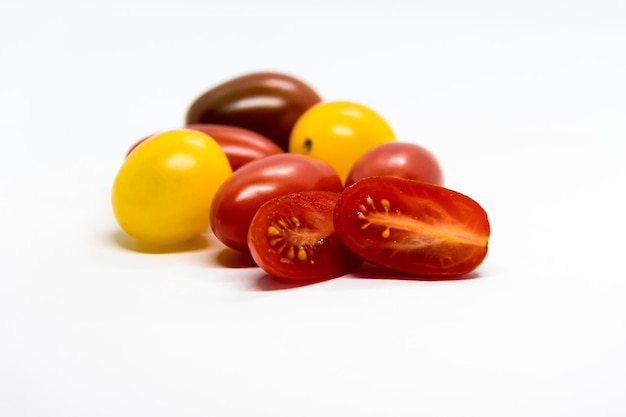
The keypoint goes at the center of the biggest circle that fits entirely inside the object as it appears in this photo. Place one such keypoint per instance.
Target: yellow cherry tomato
(339, 132)
(163, 192)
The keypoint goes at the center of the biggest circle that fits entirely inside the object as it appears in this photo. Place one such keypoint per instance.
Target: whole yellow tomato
(163, 192)
(339, 132)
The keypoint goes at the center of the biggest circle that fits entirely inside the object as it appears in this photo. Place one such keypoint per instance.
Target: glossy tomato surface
(339, 132)
(163, 191)
(397, 159)
(413, 227)
(137, 143)
(265, 102)
(257, 182)
(240, 145)
(293, 237)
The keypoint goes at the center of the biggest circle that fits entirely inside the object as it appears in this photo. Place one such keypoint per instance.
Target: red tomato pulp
(412, 227)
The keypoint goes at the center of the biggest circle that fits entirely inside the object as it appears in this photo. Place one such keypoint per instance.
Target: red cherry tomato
(240, 145)
(238, 199)
(397, 159)
(293, 237)
(412, 227)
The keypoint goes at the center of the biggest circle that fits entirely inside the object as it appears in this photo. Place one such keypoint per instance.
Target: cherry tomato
(163, 191)
(238, 199)
(266, 102)
(412, 227)
(293, 237)
(240, 145)
(339, 132)
(397, 159)
(136, 144)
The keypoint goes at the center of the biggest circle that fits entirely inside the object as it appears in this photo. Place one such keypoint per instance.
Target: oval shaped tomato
(136, 144)
(240, 145)
(163, 191)
(412, 227)
(339, 132)
(293, 237)
(266, 102)
(257, 182)
(397, 159)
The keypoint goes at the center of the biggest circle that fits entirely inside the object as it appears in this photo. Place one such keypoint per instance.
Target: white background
(524, 104)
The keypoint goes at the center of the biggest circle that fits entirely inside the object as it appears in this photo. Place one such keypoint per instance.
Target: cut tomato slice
(412, 227)
(293, 237)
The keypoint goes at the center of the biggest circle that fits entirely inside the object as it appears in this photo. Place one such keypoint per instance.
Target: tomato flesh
(412, 227)
(293, 237)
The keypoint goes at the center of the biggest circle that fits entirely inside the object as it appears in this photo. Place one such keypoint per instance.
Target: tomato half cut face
(412, 227)
(293, 237)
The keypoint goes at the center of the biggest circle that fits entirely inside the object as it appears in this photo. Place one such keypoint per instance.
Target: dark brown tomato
(292, 237)
(238, 199)
(397, 159)
(269, 103)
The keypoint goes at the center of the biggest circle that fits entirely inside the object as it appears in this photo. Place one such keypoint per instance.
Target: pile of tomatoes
(309, 188)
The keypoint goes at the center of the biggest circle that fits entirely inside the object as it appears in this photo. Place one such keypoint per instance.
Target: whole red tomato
(412, 227)
(240, 145)
(397, 159)
(238, 199)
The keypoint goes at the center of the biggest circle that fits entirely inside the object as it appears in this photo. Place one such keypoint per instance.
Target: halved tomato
(412, 227)
(293, 237)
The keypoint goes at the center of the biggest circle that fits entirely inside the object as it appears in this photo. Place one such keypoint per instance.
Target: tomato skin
(240, 145)
(239, 198)
(397, 159)
(266, 102)
(412, 227)
(339, 132)
(293, 237)
(136, 144)
(163, 191)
